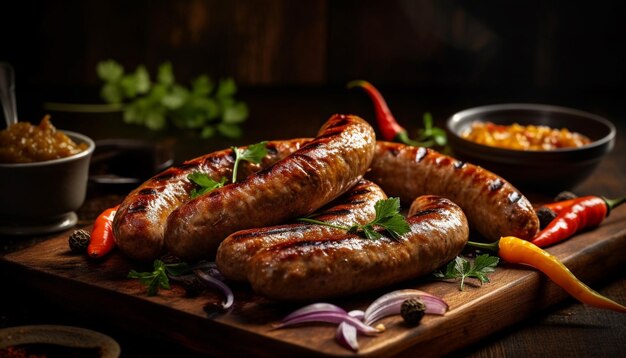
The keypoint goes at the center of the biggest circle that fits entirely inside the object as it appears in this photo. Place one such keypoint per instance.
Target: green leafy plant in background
(205, 106)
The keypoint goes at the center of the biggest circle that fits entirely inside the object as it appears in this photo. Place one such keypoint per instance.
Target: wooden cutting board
(514, 293)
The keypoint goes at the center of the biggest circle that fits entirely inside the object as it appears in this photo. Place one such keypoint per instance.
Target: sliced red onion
(358, 314)
(215, 283)
(328, 317)
(346, 335)
(314, 308)
(390, 303)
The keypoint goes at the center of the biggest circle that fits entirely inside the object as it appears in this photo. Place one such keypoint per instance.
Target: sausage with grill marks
(298, 185)
(493, 206)
(342, 263)
(354, 207)
(139, 224)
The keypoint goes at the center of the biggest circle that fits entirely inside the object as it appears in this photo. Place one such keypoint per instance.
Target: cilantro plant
(461, 268)
(204, 106)
(387, 216)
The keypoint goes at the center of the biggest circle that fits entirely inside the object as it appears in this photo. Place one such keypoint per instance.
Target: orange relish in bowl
(519, 137)
(23, 142)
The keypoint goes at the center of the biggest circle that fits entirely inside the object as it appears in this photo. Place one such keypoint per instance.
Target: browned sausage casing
(298, 185)
(139, 224)
(356, 206)
(343, 263)
(493, 206)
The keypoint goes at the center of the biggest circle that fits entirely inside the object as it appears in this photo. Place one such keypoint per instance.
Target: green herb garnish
(204, 106)
(204, 184)
(254, 153)
(387, 216)
(461, 268)
(159, 277)
(430, 135)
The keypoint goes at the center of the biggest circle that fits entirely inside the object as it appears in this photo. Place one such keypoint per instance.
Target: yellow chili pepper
(518, 251)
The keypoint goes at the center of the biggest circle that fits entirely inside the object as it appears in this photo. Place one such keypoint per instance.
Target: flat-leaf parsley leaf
(461, 268)
(387, 216)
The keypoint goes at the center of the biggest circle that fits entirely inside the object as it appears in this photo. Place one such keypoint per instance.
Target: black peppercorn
(79, 240)
(545, 215)
(412, 311)
(565, 195)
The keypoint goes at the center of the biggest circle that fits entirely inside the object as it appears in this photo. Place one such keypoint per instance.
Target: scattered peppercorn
(169, 259)
(79, 240)
(565, 195)
(412, 311)
(545, 215)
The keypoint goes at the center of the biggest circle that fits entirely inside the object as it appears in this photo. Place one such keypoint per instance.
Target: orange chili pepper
(518, 251)
(102, 239)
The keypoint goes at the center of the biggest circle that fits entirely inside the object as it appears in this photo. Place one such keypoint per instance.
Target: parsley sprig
(461, 268)
(204, 105)
(204, 184)
(387, 216)
(159, 277)
(431, 135)
(254, 153)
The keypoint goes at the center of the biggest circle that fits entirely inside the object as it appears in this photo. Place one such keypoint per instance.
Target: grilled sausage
(354, 207)
(298, 185)
(140, 220)
(344, 263)
(493, 206)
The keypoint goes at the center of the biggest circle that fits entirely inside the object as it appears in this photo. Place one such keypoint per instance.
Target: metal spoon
(7, 93)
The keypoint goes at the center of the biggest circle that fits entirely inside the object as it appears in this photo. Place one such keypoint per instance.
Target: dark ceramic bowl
(41, 197)
(126, 163)
(544, 171)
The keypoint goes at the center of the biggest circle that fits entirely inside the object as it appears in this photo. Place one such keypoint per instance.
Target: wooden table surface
(567, 329)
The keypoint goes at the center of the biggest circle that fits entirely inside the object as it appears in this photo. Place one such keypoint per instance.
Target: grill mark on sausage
(514, 197)
(137, 208)
(495, 185)
(278, 230)
(356, 202)
(271, 149)
(337, 212)
(312, 145)
(330, 134)
(164, 176)
(421, 154)
(186, 165)
(358, 192)
(341, 122)
(214, 159)
(148, 191)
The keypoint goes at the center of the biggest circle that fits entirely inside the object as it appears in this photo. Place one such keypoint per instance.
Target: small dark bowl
(127, 163)
(543, 171)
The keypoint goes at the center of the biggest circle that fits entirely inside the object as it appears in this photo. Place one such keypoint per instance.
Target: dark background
(458, 52)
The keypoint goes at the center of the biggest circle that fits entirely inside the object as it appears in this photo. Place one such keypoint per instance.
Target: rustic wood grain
(514, 293)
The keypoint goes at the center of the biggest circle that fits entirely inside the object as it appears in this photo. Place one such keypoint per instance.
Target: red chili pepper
(389, 127)
(102, 239)
(559, 206)
(583, 213)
